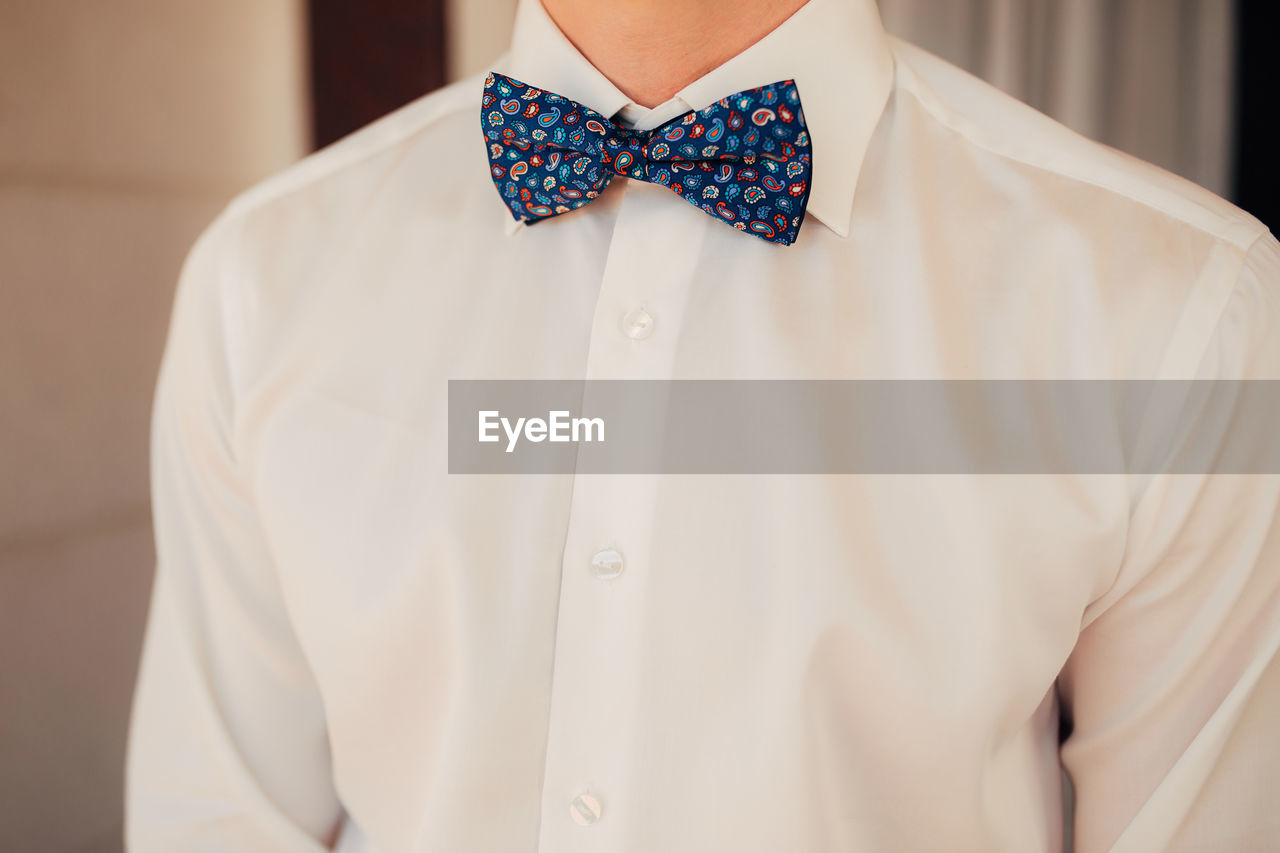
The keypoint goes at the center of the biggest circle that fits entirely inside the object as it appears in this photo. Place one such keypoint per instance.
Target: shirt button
(607, 564)
(638, 324)
(584, 809)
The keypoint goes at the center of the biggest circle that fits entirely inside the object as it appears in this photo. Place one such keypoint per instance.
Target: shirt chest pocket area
(345, 492)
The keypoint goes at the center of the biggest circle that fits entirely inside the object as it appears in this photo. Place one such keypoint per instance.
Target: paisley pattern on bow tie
(745, 160)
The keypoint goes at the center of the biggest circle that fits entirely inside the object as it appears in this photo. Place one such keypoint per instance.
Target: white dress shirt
(348, 645)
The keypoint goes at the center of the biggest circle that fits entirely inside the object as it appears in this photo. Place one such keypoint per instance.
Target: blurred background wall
(125, 125)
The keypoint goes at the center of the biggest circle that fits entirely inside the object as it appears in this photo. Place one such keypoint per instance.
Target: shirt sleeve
(1173, 688)
(227, 742)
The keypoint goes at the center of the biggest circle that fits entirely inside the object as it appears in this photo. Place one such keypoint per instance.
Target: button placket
(595, 706)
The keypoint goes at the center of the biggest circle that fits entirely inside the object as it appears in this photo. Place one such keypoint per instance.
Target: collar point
(838, 225)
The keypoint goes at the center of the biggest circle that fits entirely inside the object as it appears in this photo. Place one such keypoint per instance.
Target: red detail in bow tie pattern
(550, 155)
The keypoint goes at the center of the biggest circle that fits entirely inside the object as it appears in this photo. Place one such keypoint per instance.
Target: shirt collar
(835, 50)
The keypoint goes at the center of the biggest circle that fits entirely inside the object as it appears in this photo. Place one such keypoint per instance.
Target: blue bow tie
(745, 159)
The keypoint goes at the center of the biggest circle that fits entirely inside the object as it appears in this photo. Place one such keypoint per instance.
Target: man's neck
(651, 49)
